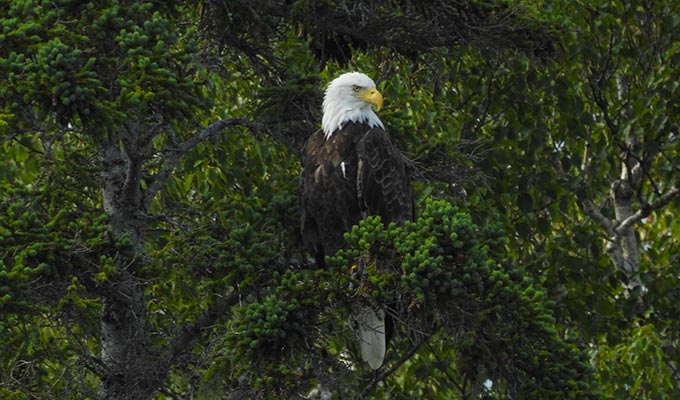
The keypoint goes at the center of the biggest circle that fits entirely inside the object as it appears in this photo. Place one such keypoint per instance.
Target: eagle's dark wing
(354, 173)
(328, 198)
(383, 185)
(384, 189)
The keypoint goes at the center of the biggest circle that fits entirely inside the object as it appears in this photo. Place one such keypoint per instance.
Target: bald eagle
(351, 170)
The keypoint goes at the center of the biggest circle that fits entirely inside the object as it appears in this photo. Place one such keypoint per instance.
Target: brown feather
(374, 181)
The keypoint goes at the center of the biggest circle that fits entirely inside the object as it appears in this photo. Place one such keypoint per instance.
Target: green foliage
(502, 320)
(494, 298)
(440, 269)
(42, 282)
(139, 66)
(39, 244)
(73, 72)
(637, 368)
(278, 335)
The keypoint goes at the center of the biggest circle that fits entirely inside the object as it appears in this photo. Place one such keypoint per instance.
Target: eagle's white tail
(370, 328)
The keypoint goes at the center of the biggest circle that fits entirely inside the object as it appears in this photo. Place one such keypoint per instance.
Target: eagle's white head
(350, 97)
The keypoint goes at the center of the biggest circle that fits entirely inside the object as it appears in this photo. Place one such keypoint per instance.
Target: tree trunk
(623, 248)
(622, 245)
(127, 370)
(123, 342)
(133, 368)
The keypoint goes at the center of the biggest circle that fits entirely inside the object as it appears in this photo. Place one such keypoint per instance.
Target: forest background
(149, 234)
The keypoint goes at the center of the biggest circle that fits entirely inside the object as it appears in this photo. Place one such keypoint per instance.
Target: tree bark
(123, 328)
(133, 367)
(624, 248)
(129, 373)
(622, 245)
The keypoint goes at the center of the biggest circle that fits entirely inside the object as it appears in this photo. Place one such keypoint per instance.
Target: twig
(182, 341)
(448, 376)
(598, 217)
(175, 154)
(647, 209)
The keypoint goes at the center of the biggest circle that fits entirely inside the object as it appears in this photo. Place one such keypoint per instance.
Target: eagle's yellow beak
(372, 96)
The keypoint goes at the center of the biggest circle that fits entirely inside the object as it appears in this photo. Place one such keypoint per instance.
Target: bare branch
(597, 216)
(186, 337)
(175, 154)
(384, 374)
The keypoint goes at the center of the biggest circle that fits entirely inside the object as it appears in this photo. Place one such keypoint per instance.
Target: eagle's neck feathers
(334, 118)
(341, 105)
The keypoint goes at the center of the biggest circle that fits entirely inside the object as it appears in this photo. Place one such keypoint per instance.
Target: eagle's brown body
(350, 170)
(354, 173)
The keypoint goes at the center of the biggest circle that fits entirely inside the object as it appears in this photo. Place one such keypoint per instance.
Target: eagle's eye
(356, 88)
